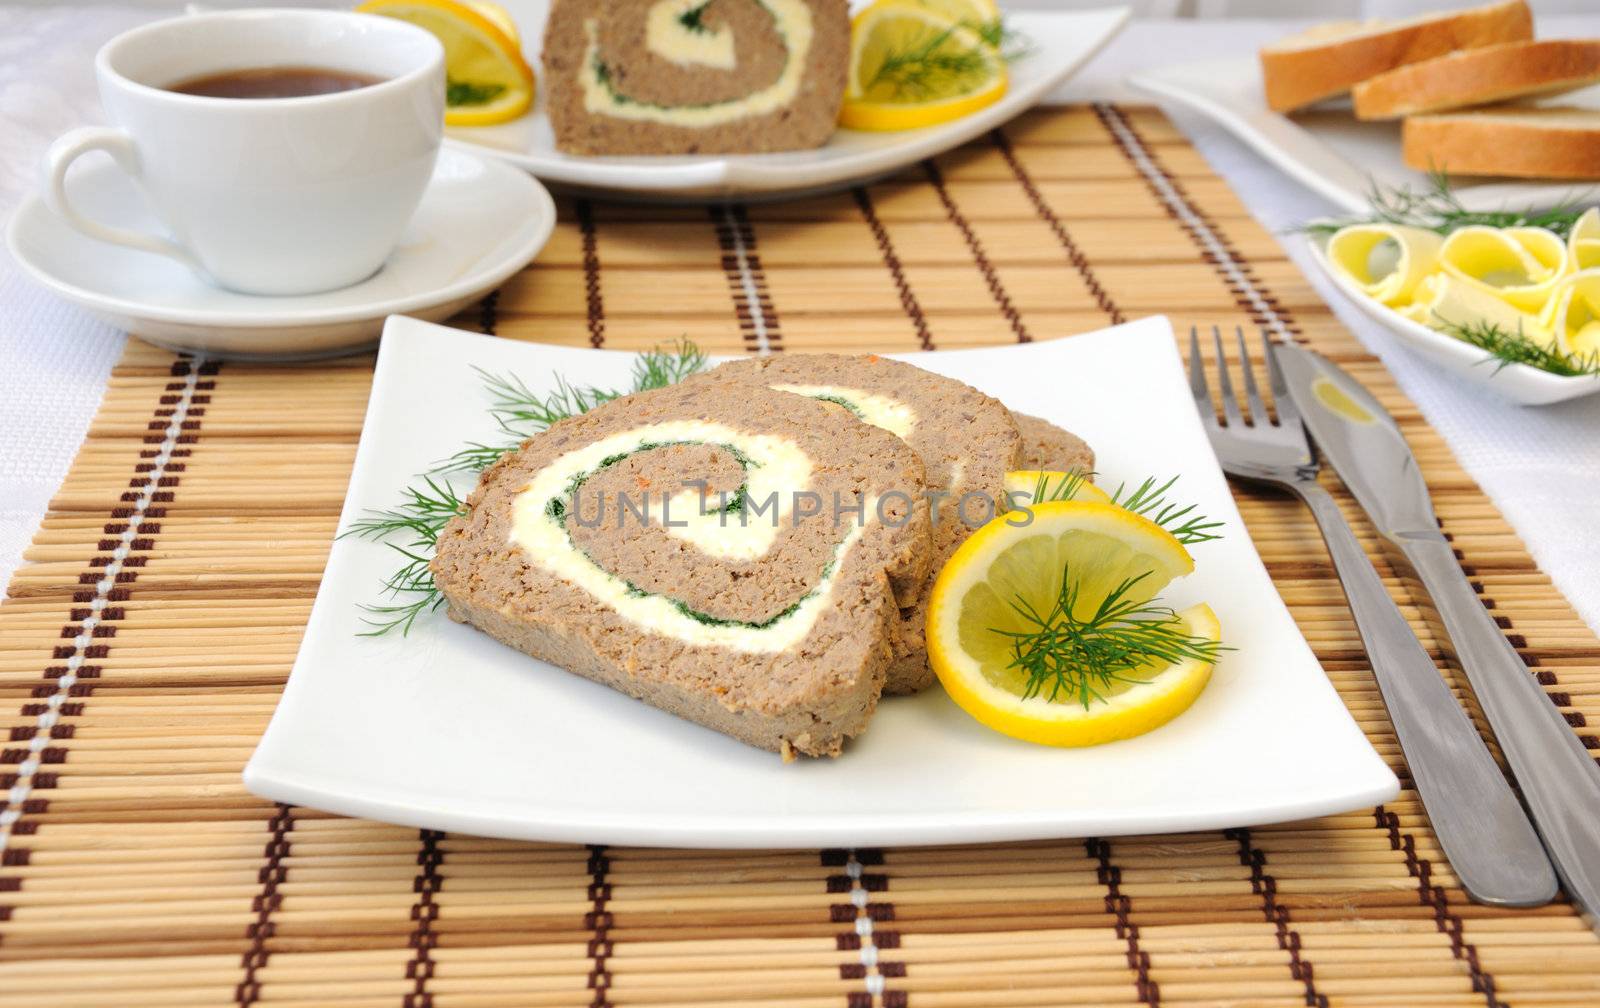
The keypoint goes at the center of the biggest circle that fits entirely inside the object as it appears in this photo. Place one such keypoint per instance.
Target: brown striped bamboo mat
(143, 649)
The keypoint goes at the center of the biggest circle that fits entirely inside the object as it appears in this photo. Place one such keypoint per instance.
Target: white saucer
(479, 222)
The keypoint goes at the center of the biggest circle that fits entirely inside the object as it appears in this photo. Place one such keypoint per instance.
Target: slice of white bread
(1331, 59)
(1483, 76)
(1518, 141)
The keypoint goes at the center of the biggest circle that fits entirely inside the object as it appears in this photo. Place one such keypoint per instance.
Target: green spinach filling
(842, 401)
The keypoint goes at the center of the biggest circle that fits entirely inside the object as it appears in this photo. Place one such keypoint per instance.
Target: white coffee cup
(267, 195)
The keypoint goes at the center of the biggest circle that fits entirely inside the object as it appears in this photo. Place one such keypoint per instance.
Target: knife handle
(1559, 778)
(1480, 825)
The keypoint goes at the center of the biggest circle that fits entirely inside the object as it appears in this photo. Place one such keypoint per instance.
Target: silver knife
(1559, 779)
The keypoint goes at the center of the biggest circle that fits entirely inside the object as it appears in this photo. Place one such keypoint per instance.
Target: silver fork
(1480, 825)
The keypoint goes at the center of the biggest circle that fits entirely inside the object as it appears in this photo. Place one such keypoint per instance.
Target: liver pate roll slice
(694, 76)
(1046, 446)
(732, 561)
(966, 440)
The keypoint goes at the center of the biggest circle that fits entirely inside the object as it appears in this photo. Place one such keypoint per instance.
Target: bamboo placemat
(145, 645)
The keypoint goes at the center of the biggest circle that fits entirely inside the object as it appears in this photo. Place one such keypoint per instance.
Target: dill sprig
(520, 412)
(420, 516)
(1507, 347)
(1437, 208)
(913, 74)
(422, 511)
(414, 581)
(1149, 500)
(1067, 657)
(411, 528)
(461, 93)
(1064, 489)
(998, 35)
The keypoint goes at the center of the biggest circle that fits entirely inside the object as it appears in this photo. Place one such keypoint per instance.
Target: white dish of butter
(1517, 382)
(1059, 43)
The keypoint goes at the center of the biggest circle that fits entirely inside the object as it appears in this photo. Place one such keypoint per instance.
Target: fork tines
(1258, 413)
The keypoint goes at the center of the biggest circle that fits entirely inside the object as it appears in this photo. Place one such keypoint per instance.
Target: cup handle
(67, 149)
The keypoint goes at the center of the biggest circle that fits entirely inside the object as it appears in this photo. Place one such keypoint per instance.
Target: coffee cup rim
(108, 52)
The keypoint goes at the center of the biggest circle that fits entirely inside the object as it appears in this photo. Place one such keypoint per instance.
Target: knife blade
(1364, 445)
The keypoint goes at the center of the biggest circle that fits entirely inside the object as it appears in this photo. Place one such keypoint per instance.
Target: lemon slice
(498, 16)
(1006, 571)
(910, 67)
(489, 81)
(979, 15)
(1027, 487)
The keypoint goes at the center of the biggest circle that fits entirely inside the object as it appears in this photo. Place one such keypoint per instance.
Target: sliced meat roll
(1046, 446)
(734, 562)
(966, 440)
(694, 76)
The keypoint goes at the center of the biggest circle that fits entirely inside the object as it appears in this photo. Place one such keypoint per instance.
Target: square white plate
(450, 730)
(1327, 149)
(1060, 43)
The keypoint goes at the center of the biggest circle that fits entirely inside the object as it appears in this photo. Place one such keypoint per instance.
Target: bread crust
(805, 122)
(1299, 75)
(806, 699)
(1479, 77)
(1547, 142)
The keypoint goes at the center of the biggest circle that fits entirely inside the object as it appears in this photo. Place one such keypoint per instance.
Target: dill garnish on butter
(1507, 347)
(1437, 208)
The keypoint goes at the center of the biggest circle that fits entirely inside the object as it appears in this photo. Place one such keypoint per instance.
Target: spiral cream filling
(679, 43)
(773, 465)
(672, 30)
(878, 410)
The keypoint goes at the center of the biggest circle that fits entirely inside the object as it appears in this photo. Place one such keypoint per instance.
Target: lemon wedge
(489, 81)
(1027, 487)
(1056, 572)
(913, 66)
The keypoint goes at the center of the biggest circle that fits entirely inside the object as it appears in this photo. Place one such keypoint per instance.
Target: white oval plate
(1520, 383)
(479, 222)
(1060, 43)
(1327, 149)
(448, 729)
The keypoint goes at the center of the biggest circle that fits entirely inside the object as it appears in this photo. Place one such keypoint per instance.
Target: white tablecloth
(1540, 466)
